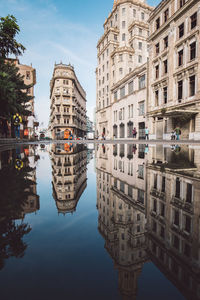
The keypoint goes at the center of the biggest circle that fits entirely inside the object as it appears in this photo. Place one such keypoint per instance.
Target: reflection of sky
(57, 30)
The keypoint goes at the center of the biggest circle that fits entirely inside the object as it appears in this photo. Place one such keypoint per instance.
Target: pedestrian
(134, 132)
(178, 133)
(146, 133)
(134, 149)
(173, 135)
(17, 120)
(30, 125)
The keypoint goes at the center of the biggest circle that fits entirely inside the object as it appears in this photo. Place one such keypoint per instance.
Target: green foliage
(8, 31)
(13, 90)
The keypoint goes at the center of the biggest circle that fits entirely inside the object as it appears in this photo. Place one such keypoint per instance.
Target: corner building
(121, 71)
(68, 102)
(174, 69)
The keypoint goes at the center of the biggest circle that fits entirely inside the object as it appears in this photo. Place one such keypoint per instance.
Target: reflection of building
(174, 98)
(68, 102)
(69, 165)
(121, 207)
(173, 215)
(121, 71)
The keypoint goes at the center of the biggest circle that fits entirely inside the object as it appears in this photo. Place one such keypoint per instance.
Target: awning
(173, 113)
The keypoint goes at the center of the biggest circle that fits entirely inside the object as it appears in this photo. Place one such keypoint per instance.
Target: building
(121, 207)
(69, 167)
(29, 74)
(174, 69)
(68, 102)
(121, 72)
(173, 213)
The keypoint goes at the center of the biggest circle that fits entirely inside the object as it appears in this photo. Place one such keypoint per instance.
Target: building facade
(173, 214)
(68, 102)
(122, 55)
(69, 167)
(174, 69)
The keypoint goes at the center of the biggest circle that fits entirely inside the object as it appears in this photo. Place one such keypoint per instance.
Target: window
(163, 183)
(165, 63)
(122, 92)
(155, 205)
(140, 45)
(188, 224)
(158, 23)
(130, 87)
(120, 71)
(157, 71)
(162, 232)
(192, 50)
(123, 24)
(130, 191)
(123, 10)
(141, 196)
(142, 82)
(162, 209)
(134, 13)
(192, 85)
(178, 188)
(141, 109)
(156, 98)
(166, 14)
(140, 31)
(180, 89)
(141, 171)
(165, 95)
(120, 57)
(180, 58)
(115, 37)
(115, 95)
(176, 242)
(157, 48)
(123, 37)
(181, 30)
(189, 193)
(28, 75)
(140, 58)
(165, 42)
(142, 16)
(193, 19)
(181, 3)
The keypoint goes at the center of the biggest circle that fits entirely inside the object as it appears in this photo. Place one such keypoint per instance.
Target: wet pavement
(100, 221)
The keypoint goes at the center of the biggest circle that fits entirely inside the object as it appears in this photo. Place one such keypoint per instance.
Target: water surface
(100, 222)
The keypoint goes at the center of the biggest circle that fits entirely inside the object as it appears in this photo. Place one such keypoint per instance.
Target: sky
(64, 31)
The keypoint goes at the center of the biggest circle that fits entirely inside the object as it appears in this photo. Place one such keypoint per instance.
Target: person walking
(134, 133)
(17, 120)
(30, 126)
(146, 133)
(178, 133)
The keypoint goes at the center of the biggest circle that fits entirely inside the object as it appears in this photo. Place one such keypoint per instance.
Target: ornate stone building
(69, 166)
(121, 206)
(68, 102)
(121, 72)
(173, 211)
(174, 69)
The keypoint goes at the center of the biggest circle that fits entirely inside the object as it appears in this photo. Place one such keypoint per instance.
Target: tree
(13, 90)
(8, 30)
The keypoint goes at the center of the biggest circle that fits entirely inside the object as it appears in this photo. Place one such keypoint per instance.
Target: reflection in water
(18, 197)
(148, 205)
(69, 173)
